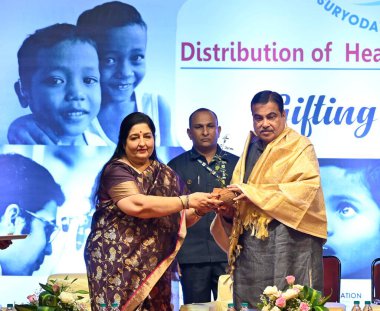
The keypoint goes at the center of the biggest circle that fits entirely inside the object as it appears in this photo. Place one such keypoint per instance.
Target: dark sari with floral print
(128, 258)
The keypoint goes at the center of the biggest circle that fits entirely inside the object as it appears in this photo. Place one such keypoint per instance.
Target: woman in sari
(139, 224)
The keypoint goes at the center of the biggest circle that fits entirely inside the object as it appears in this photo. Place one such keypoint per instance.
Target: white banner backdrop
(323, 56)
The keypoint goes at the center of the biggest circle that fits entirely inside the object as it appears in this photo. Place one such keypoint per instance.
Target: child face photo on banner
(120, 34)
(59, 81)
(352, 199)
(64, 97)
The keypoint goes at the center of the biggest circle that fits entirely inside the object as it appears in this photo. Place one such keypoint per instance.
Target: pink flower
(32, 298)
(56, 288)
(304, 306)
(290, 279)
(281, 302)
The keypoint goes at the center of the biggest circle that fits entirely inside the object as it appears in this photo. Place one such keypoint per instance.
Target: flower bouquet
(295, 298)
(56, 295)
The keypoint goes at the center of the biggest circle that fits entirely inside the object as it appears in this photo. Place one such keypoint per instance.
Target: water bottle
(102, 307)
(367, 306)
(231, 307)
(115, 306)
(244, 306)
(356, 306)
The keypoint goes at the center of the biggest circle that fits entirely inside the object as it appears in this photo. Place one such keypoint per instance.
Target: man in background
(205, 167)
(29, 198)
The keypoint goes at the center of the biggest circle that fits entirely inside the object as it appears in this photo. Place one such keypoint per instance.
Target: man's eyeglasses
(51, 229)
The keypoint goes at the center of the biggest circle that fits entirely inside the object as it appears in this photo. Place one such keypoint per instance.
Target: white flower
(276, 309)
(67, 297)
(63, 283)
(266, 308)
(272, 292)
(290, 293)
(300, 287)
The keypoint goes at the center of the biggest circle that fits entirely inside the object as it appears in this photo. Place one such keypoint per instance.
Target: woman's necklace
(138, 168)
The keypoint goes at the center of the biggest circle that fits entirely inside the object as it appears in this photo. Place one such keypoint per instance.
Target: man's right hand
(24, 131)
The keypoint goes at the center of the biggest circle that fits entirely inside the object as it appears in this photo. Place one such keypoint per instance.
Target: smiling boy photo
(60, 83)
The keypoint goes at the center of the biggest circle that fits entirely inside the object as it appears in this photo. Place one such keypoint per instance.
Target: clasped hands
(230, 197)
(221, 200)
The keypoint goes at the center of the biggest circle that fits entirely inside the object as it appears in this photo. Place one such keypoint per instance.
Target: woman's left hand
(203, 202)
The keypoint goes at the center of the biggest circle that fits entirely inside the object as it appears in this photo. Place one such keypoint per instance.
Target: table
(222, 306)
(335, 306)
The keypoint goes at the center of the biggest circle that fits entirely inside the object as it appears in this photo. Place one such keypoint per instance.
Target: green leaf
(81, 291)
(315, 298)
(47, 299)
(325, 299)
(46, 308)
(25, 307)
(312, 295)
(47, 288)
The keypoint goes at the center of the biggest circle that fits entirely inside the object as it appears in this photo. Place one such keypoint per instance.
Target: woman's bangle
(187, 201)
(185, 205)
(198, 214)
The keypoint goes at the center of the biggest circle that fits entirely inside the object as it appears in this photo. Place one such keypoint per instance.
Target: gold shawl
(284, 185)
